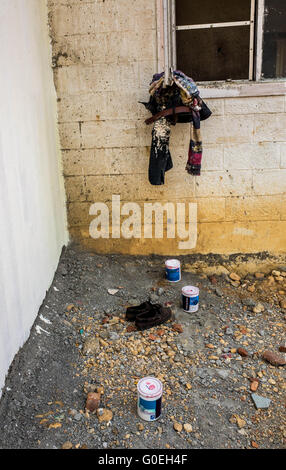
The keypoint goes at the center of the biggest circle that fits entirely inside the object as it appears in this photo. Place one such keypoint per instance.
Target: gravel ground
(209, 362)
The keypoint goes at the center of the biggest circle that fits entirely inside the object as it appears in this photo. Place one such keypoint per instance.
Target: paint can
(173, 270)
(190, 298)
(149, 403)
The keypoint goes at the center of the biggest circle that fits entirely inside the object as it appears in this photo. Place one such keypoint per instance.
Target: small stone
(218, 292)
(91, 346)
(177, 327)
(140, 427)
(112, 291)
(188, 427)
(213, 279)
(276, 273)
(271, 280)
(260, 402)
(78, 416)
(254, 385)
(282, 348)
(274, 358)
(235, 283)
(259, 275)
(234, 277)
(254, 444)
(178, 427)
(87, 388)
(240, 422)
(104, 414)
(131, 328)
(283, 304)
(259, 308)
(67, 445)
(152, 337)
(242, 352)
(251, 288)
(92, 402)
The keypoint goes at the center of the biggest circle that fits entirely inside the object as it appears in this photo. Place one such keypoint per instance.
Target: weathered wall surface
(105, 53)
(32, 203)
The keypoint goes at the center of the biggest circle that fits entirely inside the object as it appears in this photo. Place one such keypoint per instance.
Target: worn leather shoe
(133, 312)
(155, 316)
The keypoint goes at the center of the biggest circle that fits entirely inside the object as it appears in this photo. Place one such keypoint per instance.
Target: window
(219, 40)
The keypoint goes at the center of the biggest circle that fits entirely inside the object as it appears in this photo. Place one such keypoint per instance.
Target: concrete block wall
(105, 53)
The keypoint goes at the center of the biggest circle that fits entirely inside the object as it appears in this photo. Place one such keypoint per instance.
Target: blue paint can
(190, 299)
(173, 270)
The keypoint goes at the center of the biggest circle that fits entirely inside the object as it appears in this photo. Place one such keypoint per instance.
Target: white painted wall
(32, 201)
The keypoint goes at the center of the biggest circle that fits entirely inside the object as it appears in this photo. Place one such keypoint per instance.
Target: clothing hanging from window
(179, 102)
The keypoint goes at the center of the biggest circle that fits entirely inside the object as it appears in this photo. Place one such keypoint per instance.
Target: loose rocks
(274, 358)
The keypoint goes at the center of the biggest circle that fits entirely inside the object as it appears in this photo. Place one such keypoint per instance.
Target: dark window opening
(210, 47)
(214, 54)
(211, 11)
(274, 39)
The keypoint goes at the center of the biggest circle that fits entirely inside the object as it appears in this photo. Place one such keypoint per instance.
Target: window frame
(253, 86)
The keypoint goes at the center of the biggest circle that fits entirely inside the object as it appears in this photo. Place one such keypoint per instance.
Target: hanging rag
(179, 102)
(194, 162)
(160, 157)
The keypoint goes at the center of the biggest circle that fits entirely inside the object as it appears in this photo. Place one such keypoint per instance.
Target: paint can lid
(150, 387)
(190, 291)
(172, 264)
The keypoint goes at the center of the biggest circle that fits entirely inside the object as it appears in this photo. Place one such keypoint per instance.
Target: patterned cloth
(160, 157)
(182, 92)
(195, 152)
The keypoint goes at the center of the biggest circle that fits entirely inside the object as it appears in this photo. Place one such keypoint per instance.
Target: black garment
(160, 157)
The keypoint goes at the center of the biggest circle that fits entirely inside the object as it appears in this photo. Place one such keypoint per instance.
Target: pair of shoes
(133, 312)
(147, 315)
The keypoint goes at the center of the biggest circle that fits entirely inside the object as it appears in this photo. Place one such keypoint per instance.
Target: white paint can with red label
(190, 299)
(149, 403)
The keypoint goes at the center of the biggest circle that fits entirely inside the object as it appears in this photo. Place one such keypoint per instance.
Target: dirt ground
(210, 362)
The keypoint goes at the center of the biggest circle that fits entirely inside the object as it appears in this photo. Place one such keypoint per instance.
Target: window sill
(241, 89)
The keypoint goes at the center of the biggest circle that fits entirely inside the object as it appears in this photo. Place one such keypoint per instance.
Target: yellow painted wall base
(220, 238)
